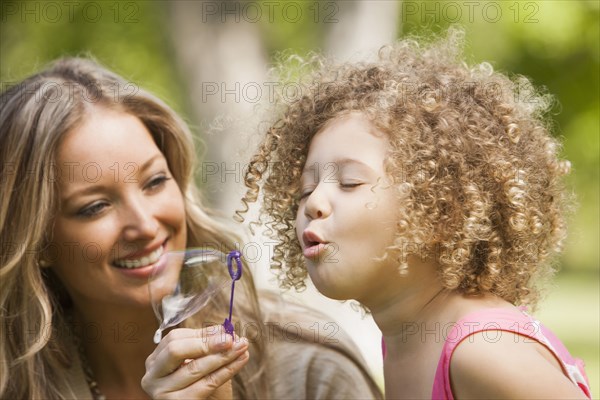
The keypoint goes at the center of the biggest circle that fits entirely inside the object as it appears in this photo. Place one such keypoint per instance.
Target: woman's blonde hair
(34, 116)
(469, 152)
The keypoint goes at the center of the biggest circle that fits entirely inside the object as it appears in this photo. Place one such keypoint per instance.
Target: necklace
(87, 370)
(89, 375)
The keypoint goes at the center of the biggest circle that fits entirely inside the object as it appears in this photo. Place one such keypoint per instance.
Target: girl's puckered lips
(309, 238)
(314, 246)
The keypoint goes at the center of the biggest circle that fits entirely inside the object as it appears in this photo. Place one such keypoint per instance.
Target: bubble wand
(174, 299)
(235, 276)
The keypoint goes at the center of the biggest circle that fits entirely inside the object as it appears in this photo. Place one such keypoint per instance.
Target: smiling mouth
(141, 262)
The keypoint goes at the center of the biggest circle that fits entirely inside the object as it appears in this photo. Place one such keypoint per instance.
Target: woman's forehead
(105, 133)
(106, 141)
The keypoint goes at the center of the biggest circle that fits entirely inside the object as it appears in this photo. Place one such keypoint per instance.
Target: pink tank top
(498, 319)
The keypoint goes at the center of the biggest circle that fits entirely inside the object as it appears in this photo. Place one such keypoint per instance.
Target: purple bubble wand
(235, 275)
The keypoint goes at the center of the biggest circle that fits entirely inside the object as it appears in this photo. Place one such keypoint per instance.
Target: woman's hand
(194, 363)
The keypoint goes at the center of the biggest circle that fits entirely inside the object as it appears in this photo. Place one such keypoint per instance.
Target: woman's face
(120, 210)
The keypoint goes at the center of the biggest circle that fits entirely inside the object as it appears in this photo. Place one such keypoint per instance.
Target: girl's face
(120, 209)
(347, 213)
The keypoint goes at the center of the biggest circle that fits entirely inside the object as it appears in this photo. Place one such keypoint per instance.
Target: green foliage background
(555, 43)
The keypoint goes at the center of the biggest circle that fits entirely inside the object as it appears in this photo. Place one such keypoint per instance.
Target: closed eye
(305, 194)
(350, 185)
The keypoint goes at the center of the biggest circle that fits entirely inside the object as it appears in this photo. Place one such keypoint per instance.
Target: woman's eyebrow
(85, 191)
(150, 161)
(91, 189)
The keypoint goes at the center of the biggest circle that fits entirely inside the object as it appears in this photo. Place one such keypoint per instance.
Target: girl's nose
(317, 204)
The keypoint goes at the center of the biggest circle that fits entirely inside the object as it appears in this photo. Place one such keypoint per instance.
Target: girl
(431, 192)
(96, 184)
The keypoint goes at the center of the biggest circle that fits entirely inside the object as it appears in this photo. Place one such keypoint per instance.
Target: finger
(201, 368)
(184, 333)
(211, 382)
(177, 351)
(187, 333)
(225, 391)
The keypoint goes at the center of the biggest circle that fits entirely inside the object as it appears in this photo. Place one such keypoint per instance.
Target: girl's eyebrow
(339, 162)
(310, 168)
(345, 161)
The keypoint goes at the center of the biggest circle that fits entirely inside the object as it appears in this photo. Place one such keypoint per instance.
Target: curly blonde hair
(469, 147)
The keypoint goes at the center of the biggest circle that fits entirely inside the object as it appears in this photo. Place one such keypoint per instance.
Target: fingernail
(223, 342)
(240, 344)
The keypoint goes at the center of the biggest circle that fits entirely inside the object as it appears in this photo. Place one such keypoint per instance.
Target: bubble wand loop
(235, 275)
(184, 282)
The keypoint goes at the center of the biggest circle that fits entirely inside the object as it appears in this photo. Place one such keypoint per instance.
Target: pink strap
(498, 319)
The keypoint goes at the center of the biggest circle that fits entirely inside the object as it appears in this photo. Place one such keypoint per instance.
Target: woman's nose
(140, 222)
(317, 204)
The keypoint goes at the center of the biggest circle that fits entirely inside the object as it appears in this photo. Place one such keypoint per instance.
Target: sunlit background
(207, 58)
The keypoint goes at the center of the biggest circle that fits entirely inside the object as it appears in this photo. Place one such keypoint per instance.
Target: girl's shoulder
(517, 347)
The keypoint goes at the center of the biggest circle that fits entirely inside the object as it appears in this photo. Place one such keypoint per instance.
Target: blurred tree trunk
(221, 58)
(363, 27)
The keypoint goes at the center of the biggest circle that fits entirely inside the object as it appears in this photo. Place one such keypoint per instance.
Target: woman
(96, 183)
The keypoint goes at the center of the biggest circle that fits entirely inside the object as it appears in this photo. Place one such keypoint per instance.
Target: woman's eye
(157, 182)
(92, 210)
